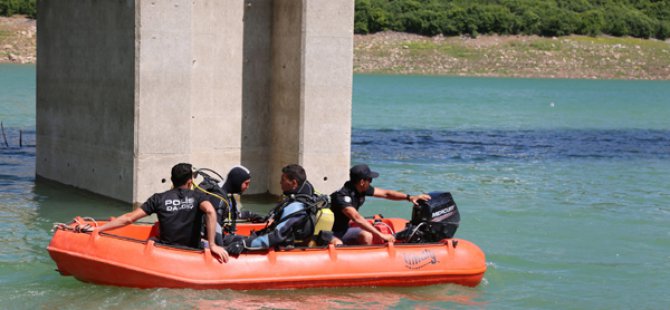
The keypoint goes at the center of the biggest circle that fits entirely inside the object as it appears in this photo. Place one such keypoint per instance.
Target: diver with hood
(222, 196)
(293, 220)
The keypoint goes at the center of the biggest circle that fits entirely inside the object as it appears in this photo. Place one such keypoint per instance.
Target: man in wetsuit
(180, 212)
(346, 202)
(291, 219)
(223, 199)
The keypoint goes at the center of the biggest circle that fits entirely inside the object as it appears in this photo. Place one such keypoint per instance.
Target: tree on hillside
(638, 18)
(12, 7)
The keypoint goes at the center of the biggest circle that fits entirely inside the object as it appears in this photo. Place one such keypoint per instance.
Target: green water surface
(559, 232)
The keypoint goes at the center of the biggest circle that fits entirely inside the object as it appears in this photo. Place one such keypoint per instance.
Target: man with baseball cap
(346, 202)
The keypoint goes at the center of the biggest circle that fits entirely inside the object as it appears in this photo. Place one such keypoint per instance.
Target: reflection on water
(435, 297)
(77, 295)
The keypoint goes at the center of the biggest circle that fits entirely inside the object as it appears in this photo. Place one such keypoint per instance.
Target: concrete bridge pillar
(126, 89)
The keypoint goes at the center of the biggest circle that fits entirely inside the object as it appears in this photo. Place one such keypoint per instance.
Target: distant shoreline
(485, 56)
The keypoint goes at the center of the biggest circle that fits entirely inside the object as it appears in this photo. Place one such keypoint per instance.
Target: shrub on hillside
(591, 23)
(639, 18)
(663, 30)
(12, 7)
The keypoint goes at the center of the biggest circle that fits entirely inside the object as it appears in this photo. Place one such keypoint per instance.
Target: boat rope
(387, 225)
(62, 226)
(88, 218)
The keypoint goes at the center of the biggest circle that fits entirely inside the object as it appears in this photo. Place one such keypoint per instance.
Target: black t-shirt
(347, 196)
(179, 215)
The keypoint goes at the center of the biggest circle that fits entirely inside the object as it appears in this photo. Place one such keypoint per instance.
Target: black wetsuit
(222, 207)
(179, 216)
(224, 202)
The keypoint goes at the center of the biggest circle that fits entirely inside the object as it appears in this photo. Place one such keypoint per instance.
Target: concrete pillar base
(127, 89)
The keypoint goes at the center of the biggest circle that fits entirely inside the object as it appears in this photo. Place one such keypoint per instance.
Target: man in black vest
(346, 202)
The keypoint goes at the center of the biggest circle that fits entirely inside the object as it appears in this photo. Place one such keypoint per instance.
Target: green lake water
(565, 185)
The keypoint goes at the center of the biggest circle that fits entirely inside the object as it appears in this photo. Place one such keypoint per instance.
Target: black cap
(361, 172)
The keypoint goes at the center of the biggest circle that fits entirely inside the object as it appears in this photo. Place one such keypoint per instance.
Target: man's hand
(415, 199)
(219, 252)
(83, 228)
(388, 237)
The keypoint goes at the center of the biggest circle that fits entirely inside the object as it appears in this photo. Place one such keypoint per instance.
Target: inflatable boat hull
(124, 257)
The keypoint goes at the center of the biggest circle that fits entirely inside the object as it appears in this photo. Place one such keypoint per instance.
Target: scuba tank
(323, 234)
(224, 203)
(325, 218)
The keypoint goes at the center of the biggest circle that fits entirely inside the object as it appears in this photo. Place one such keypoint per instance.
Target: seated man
(293, 219)
(180, 212)
(346, 202)
(223, 199)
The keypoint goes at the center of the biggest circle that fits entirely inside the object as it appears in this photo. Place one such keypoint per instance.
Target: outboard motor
(432, 220)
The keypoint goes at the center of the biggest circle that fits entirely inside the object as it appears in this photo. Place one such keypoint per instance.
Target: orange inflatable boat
(127, 257)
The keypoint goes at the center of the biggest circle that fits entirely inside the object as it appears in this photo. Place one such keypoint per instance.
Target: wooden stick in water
(3, 134)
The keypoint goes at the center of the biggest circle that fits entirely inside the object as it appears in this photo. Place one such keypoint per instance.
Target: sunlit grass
(4, 34)
(625, 41)
(537, 44)
(458, 51)
(424, 48)
(420, 45)
(546, 45)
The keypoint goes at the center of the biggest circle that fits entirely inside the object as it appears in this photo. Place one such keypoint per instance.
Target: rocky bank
(18, 37)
